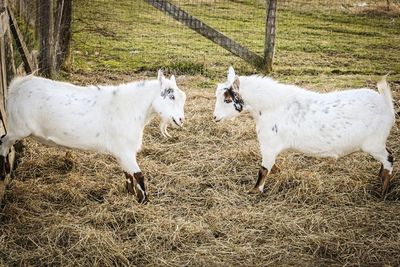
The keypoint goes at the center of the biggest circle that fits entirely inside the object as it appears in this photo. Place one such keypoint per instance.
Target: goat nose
(181, 120)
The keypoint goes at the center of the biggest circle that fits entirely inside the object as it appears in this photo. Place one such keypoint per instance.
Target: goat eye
(172, 97)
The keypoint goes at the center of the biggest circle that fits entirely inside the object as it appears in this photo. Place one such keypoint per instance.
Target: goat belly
(333, 124)
(58, 113)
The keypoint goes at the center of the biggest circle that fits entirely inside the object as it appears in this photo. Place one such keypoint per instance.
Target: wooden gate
(263, 63)
(9, 30)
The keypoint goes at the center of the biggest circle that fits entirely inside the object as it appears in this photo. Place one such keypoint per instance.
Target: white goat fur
(319, 124)
(105, 119)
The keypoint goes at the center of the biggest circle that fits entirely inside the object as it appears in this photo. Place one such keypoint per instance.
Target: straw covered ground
(313, 212)
(76, 212)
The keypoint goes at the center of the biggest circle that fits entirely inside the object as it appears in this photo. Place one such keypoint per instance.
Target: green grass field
(129, 36)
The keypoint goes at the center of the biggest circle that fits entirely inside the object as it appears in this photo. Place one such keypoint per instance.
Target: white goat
(319, 124)
(105, 119)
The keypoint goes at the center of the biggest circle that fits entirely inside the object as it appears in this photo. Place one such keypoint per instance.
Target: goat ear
(173, 80)
(160, 76)
(236, 83)
(231, 75)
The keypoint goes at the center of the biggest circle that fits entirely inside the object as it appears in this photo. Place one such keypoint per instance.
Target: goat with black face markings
(105, 119)
(319, 124)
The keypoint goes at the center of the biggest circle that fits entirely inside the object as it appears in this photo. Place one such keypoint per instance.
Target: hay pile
(313, 214)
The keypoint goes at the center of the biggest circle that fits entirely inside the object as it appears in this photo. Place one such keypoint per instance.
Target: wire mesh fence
(131, 35)
(150, 38)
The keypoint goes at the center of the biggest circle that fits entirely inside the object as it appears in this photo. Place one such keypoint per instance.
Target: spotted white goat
(319, 124)
(105, 119)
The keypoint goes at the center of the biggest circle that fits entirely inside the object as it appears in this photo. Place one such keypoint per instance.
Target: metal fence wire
(133, 35)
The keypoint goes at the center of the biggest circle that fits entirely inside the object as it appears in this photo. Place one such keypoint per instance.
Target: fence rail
(262, 63)
(205, 30)
(9, 30)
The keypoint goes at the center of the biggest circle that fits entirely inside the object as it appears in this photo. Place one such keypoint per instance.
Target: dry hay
(313, 213)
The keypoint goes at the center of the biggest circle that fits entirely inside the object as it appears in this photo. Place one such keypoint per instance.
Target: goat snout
(216, 119)
(178, 122)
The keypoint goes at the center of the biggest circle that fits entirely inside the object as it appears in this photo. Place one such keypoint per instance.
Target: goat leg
(262, 175)
(386, 179)
(130, 183)
(4, 168)
(140, 188)
(386, 175)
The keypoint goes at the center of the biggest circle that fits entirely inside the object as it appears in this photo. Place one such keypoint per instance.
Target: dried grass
(313, 213)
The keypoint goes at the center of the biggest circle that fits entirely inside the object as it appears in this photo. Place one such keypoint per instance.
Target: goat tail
(18, 80)
(385, 91)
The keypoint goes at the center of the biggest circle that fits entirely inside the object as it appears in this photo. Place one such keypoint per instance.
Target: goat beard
(163, 127)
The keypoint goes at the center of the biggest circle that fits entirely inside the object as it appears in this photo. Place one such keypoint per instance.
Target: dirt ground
(313, 213)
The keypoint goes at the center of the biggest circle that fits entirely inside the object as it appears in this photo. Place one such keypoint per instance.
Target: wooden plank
(7, 70)
(63, 30)
(270, 29)
(3, 22)
(200, 27)
(3, 82)
(46, 34)
(3, 85)
(10, 65)
(22, 48)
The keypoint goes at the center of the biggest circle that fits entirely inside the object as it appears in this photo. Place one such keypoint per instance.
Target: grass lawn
(130, 36)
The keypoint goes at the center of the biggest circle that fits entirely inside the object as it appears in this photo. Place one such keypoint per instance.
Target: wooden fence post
(23, 50)
(63, 31)
(4, 21)
(8, 29)
(270, 30)
(46, 34)
(10, 66)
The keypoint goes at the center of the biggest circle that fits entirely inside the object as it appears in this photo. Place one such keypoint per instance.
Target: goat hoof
(386, 179)
(143, 199)
(129, 188)
(255, 191)
(385, 185)
(3, 167)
